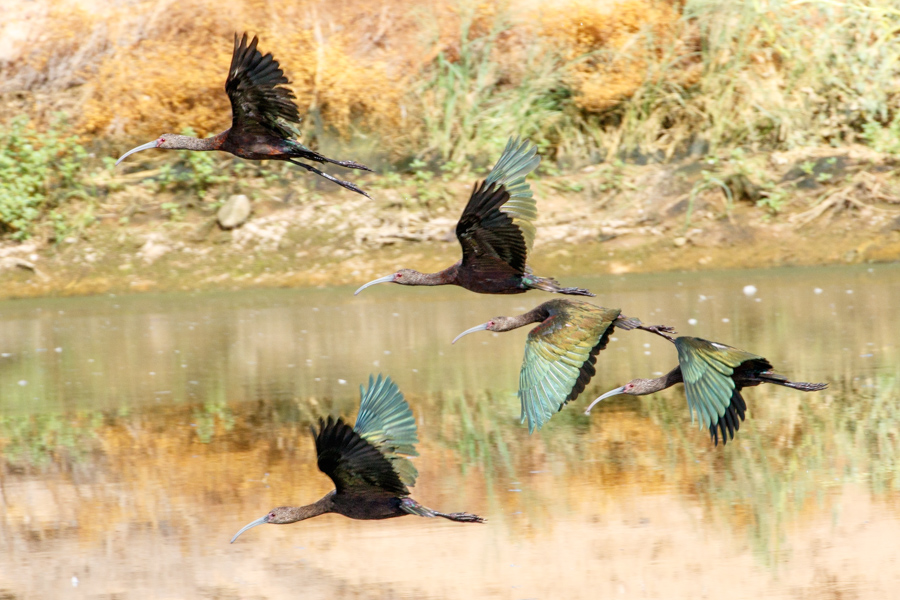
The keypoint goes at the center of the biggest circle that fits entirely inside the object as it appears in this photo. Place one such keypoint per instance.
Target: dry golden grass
(450, 80)
(611, 50)
(161, 66)
(173, 78)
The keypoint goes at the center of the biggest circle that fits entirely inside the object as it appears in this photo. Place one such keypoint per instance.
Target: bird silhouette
(496, 232)
(263, 118)
(561, 352)
(713, 375)
(367, 463)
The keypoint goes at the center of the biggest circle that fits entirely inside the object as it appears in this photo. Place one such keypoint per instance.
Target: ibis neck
(535, 315)
(215, 142)
(446, 277)
(320, 507)
(660, 383)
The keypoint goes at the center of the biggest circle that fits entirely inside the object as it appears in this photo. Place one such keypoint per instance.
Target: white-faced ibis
(713, 375)
(561, 352)
(496, 231)
(367, 463)
(263, 114)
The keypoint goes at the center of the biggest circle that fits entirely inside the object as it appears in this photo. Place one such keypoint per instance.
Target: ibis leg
(344, 184)
(414, 508)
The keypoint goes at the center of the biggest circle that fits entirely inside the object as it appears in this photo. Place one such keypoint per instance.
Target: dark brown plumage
(263, 115)
(496, 232)
(367, 464)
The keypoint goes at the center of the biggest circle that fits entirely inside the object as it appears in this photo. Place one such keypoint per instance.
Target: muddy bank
(809, 207)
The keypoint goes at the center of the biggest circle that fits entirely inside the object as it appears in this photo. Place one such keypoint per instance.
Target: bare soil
(836, 206)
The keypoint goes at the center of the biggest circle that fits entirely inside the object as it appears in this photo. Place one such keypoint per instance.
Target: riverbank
(805, 207)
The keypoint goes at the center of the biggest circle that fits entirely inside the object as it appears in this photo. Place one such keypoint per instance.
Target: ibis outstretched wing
(559, 357)
(259, 101)
(354, 464)
(707, 368)
(496, 229)
(386, 421)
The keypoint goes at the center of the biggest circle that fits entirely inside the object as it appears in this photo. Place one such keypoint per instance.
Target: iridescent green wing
(386, 421)
(496, 229)
(518, 160)
(707, 368)
(559, 357)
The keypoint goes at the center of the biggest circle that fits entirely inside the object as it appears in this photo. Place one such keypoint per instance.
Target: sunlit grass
(442, 86)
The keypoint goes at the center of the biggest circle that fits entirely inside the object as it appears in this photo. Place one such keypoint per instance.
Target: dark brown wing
(259, 103)
(487, 234)
(354, 464)
(496, 229)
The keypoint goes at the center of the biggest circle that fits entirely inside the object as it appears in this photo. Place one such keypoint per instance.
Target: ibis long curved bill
(385, 279)
(260, 521)
(146, 146)
(615, 392)
(482, 327)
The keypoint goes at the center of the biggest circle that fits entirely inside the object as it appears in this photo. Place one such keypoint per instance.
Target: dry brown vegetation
(629, 73)
(432, 89)
(610, 52)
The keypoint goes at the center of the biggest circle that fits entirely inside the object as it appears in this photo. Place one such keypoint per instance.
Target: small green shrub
(38, 171)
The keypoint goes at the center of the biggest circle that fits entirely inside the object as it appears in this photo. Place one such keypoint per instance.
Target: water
(138, 434)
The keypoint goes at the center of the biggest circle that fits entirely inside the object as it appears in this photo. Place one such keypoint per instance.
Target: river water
(139, 433)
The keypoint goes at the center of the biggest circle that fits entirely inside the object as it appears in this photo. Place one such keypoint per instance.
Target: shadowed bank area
(139, 433)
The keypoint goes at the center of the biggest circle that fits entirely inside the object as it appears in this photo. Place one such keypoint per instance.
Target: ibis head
(277, 516)
(635, 387)
(167, 141)
(495, 324)
(403, 277)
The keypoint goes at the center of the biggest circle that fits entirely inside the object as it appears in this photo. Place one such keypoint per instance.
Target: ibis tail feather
(548, 284)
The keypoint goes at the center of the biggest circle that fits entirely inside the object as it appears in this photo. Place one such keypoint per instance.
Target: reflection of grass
(39, 441)
(771, 475)
(791, 457)
(472, 428)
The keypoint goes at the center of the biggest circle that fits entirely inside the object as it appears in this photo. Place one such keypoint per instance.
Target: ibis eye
(398, 275)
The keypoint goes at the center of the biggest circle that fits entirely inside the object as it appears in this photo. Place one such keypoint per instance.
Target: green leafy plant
(38, 171)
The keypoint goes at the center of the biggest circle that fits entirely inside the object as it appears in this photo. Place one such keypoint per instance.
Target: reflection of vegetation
(784, 462)
(206, 416)
(770, 476)
(40, 440)
(470, 428)
(243, 386)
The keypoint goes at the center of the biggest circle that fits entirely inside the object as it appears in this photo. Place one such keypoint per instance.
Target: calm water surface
(138, 434)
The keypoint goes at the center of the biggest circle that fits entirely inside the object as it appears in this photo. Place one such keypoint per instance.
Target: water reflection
(132, 453)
